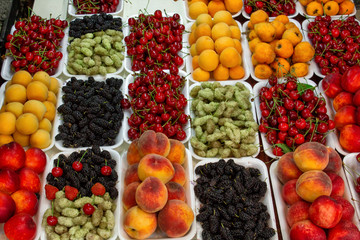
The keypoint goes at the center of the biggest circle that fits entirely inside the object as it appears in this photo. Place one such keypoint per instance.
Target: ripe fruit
(88, 209)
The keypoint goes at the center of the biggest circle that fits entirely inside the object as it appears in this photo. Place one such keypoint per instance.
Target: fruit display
(95, 45)
(82, 190)
(29, 109)
(312, 8)
(312, 195)
(233, 200)
(91, 113)
(194, 8)
(336, 43)
(158, 102)
(277, 47)
(273, 8)
(291, 113)
(216, 48)
(223, 120)
(156, 191)
(35, 45)
(154, 42)
(80, 7)
(20, 189)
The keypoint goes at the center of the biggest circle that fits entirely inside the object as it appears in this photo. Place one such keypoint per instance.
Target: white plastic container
(268, 147)
(45, 203)
(58, 119)
(282, 207)
(128, 61)
(244, 55)
(127, 113)
(190, 200)
(352, 169)
(247, 16)
(66, 72)
(252, 68)
(302, 11)
(247, 162)
(192, 114)
(7, 73)
(72, 9)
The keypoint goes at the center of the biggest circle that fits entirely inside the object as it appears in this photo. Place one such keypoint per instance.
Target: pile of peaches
(314, 190)
(154, 195)
(19, 189)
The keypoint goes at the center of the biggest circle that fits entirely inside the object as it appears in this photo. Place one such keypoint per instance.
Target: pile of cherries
(155, 41)
(336, 43)
(158, 104)
(291, 114)
(273, 7)
(35, 44)
(95, 6)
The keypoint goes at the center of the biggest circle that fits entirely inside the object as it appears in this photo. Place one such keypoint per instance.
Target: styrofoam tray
(282, 208)
(267, 147)
(302, 11)
(352, 165)
(257, 141)
(7, 73)
(251, 67)
(127, 113)
(66, 72)
(267, 199)
(127, 60)
(190, 200)
(72, 9)
(59, 121)
(247, 16)
(45, 203)
(244, 55)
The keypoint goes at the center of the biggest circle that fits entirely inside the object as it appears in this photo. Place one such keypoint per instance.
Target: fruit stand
(124, 102)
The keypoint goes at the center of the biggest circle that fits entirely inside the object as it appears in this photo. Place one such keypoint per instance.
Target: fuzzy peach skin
(154, 165)
(133, 155)
(338, 184)
(335, 161)
(313, 184)
(151, 195)
(139, 224)
(175, 191)
(177, 152)
(299, 211)
(128, 198)
(180, 175)
(25, 202)
(286, 169)
(288, 192)
(151, 142)
(311, 156)
(325, 212)
(131, 174)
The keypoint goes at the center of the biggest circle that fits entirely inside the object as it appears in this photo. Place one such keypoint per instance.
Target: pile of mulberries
(94, 23)
(231, 208)
(92, 159)
(91, 112)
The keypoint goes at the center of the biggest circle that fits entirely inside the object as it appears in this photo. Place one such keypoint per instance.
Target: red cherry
(77, 166)
(88, 209)
(52, 220)
(106, 170)
(57, 172)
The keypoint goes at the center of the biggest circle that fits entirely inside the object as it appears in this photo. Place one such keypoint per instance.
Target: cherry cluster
(291, 114)
(95, 6)
(273, 7)
(157, 104)
(154, 42)
(336, 43)
(35, 44)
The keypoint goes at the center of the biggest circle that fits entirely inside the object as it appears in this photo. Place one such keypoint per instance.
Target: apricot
(133, 155)
(223, 16)
(23, 140)
(204, 18)
(288, 192)
(220, 30)
(177, 152)
(286, 169)
(197, 8)
(45, 124)
(40, 139)
(128, 198)
(139, 224)
(180, 175)
(311, 156)
(306, 230)
(131, 174)
(50, 110)
(342, 99)
(338, 185)
(7, 123)
(155, 165)
(37, 91)
(208, 60)
(325, 212)
(299, 211)
(43, 77)
(52, 98)
(15, 93)
(151, 142)
(21, 77)
(27, 123)
(5, 139)
(335, 162)
(202, 29)
(54, 85)
(222, 43)
(35, 107)
(175, 191)
(151, 195)
(230, 57)
(313, 184)
(15, 107)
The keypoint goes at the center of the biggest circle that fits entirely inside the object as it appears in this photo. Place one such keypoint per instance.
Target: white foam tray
(66, 72)
(72, 9)
(352, 168)
(192, 114)
(190, 200)
(251, 67)
(127, 60)
(267, 147)
(45, 203)
(282, 208)
(247, 16)
(244, 54)
(302, 11)
(127, 113)
(7, 73)
(58, 119)
(267, 199)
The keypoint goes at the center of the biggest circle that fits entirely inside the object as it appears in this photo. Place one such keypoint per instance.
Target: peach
(335, 161)
(331, 84)
(25, 202)
(29, 180)
(9, 181)
(12, 155)
(338, 185)
(177, 152)
(344, 230)
(311, 156)
(133, 155)
(151, 142)
(151, 195)
(313, 184)
(131, 174)
(286, 169)
(180, 175)
(350, 80)
(288, 192)
(7, 207)
(342, 99)
(348, 209)
(175, 218)
(305, 230)
(325, 212)
(128, 198)
(155, 165)
(20, 227)
(139, 224)
(346, 115)
(175, 191)
(35, 160)
(350, 138)
(299, 211)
